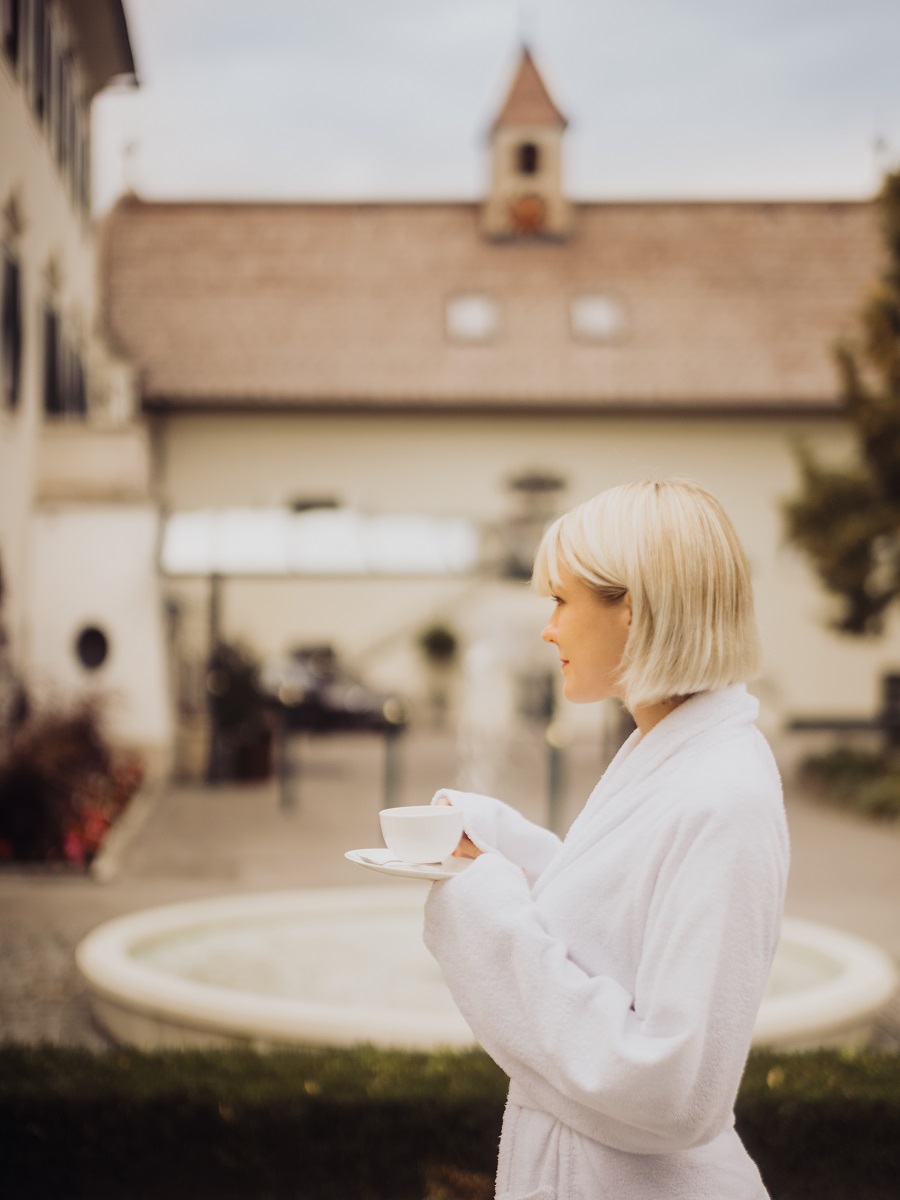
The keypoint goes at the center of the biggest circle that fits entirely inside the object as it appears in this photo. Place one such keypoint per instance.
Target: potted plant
(439, 646)
(241, 740)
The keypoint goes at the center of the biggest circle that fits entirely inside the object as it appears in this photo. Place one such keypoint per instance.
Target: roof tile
(727, 304)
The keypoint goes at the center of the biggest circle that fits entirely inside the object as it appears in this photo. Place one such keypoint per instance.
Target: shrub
(860, 780)
(309, 1125)
(439, 644)
(378, 1125)
(241, 729)
(823, 1123)
(62, 787)
(880, 797)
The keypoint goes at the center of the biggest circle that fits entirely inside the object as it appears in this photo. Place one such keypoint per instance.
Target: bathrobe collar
(704, 716)
(642, 754)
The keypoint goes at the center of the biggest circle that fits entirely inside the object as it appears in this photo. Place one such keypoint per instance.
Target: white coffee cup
(421, 833)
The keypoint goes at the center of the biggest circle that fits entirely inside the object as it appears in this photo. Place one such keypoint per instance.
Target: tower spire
(528, 102)
(525, 197)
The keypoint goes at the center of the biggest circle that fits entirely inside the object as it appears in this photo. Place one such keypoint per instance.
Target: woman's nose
(548, 633)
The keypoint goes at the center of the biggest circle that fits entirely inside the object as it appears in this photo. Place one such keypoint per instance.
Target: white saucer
(385, 863)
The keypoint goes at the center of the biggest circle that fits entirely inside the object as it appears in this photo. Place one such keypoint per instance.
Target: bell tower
(525, 197)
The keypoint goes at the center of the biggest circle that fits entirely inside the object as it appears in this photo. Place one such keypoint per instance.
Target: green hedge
(823, 1125)
(861, 781)
(373, 1125)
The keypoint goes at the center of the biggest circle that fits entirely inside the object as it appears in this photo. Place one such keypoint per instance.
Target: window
(91, 647)
(77, 388)
(39, 57)
(472, 318)
(55, 95)
(53, 397)
(597, 318)
(528, 158)
(536, 495)
(75, 155)
(73, 152)
(11, 21)
(66, 112)
(84, 164)
(12, 331)
(65, 380)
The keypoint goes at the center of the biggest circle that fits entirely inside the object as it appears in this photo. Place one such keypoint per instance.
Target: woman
(616, 975)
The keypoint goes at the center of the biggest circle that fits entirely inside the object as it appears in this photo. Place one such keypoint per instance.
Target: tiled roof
(728, 305)
(528, 101)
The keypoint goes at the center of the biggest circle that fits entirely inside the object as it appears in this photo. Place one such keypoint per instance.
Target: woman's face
(589, 634)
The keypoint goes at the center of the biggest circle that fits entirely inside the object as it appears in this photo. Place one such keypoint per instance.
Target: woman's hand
(466, 847)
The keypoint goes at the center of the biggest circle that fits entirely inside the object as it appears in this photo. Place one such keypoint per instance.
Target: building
(318, 378)
(78, 529)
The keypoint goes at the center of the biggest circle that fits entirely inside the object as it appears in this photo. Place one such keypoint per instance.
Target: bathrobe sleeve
(493, 825)
(651, 1069)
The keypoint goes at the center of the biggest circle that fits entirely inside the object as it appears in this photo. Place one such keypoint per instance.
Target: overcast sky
(340, 99)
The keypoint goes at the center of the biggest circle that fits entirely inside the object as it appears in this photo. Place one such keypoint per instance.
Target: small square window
(597, 318)
(472, 318)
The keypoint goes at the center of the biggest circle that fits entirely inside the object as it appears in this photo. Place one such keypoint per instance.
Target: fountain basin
(343, 966)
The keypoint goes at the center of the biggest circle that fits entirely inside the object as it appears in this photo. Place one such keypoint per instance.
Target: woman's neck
(648, 715)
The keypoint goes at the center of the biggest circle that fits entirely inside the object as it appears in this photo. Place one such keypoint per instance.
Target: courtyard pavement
(181, 842)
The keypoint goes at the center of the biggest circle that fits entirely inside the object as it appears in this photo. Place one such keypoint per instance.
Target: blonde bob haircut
(669, 546)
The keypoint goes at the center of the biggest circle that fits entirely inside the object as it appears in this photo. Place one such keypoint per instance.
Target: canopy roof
(275, 541)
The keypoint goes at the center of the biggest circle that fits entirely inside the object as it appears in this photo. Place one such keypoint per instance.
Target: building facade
(77, 522)
(317, 379)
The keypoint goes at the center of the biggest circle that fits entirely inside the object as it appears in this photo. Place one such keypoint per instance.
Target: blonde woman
(616, 975)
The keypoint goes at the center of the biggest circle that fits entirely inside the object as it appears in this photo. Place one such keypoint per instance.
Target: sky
(393, 99)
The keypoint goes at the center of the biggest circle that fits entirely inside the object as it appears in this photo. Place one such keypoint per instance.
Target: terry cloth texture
(617, 978)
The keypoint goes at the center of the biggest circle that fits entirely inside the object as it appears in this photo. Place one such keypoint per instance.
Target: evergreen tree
(847, 519)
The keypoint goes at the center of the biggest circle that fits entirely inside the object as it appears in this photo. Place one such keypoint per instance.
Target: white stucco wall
(50, 232)
(94, 565)
(460, 465)
(53, 242)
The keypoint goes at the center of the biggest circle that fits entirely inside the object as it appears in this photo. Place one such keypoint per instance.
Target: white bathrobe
(616, 976)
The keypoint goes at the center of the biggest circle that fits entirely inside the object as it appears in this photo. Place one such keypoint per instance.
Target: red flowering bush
(62, 787)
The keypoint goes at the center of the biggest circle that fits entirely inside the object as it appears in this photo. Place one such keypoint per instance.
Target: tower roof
(528, 101)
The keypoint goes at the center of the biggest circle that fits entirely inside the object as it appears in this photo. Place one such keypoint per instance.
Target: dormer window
(529, 158)
(597, 318)
(472, 318)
